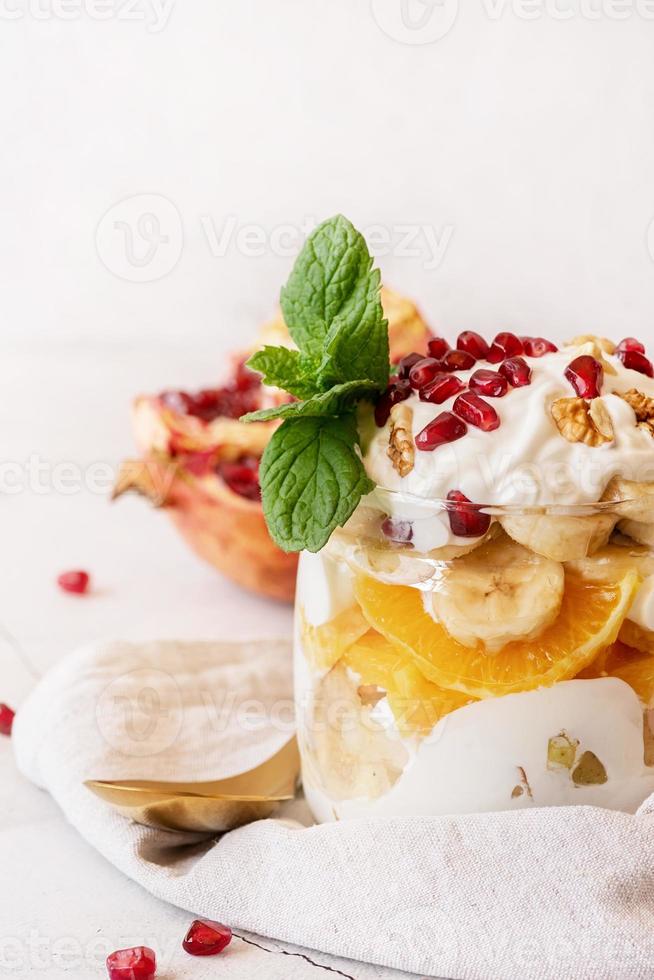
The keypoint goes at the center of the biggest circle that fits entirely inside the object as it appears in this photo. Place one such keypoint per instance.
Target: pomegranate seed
(396, 392)
(630, 343)
(138, 963)
(441, 430)
(473, 343)
(636, 361)
(246, 379)
(475, 410)
(538, 346)
(458, 360)
(489, 383)
(177, 401)
(466, 519)
(6, 719)
(400, 531)
(76, 582)
(405, 365)
(586, 375)
(242, 476)
(516, 371)
(438, 347)
(206, 938)
(505, 345)
(442, 387)
(424, 371)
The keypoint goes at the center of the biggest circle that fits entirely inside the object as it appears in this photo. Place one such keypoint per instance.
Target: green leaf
(332, 306)
(312, 479)
(328, 404)
(287, 369)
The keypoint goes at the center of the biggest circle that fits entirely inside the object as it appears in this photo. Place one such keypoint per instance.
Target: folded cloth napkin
(544, 893)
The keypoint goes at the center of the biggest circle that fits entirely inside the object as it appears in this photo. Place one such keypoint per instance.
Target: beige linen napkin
(542, 894)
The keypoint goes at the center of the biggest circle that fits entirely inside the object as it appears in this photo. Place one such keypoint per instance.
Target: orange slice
(324, 645)
(590, 620)
(416, 703)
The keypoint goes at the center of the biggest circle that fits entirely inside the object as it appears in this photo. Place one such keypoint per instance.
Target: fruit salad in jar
(475, 600)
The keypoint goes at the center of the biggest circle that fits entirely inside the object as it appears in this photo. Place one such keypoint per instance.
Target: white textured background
(526, 146)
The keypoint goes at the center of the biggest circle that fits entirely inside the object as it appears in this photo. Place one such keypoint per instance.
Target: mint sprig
(312, 477)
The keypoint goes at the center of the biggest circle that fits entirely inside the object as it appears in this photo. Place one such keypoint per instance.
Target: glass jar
(456, 658)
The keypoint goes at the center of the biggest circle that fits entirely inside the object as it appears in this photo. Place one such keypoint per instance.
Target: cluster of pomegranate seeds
(240, 395)
(516, 371)
(441, 430)
(400, 531)
(505, 345)
(474, 344)
(242, 476)
(76, 582)
(6, 719)
(137, 963)
(489, 383)
(466, 519)
(586, 376)
(424, 371)
(476, 411)
(538, 346)
(397, 391)
(438, 347)
(443, 386)
(206, 938)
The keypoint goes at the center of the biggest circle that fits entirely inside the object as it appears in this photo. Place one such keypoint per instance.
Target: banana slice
(638, 530)
(613, 561)
(638, 499)
(560, 538)
(500, 593)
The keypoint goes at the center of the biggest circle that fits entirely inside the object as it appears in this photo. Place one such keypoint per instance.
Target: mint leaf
(287, 369)
(337, 400)
(332, 307)
(312, 479)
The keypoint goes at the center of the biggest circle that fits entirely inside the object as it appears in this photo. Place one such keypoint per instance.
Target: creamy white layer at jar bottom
(579, 741)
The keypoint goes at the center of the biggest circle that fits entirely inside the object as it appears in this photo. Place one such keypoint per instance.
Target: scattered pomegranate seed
(636, 361)
(466, 518)
(424, 371)
(438, 347)
(242, 394)
(441, 430)
(442, 387)
(400, 531)
(396, 392)
(476, 411)
(473, 343)
(586, 375)
(630, 343)
(138, 963)
(206, 938)
(405, 365)
(6, 719)
(489, 383)
(242, 476)
(538, 346)
(458, 360)
(76, 582)
(516, 371)
(505, 345)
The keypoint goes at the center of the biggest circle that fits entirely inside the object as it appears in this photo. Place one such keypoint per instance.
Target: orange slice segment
(324, 645)
(416, 703)
(590, 620)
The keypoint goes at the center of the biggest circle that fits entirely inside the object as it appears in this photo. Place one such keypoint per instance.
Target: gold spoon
(207, 807)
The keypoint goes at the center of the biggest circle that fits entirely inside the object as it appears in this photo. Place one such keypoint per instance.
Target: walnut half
(401, 448)
(580, 421)
(643, 407)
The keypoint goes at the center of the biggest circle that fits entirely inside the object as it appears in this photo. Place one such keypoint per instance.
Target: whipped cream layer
(526, 461)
